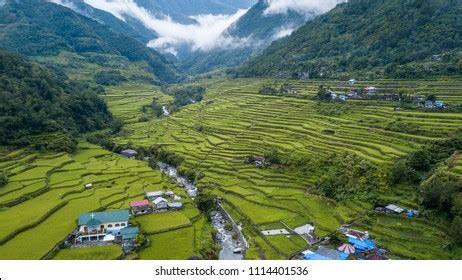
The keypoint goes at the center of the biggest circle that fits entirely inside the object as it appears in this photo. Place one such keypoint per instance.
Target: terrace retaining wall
(243, 241)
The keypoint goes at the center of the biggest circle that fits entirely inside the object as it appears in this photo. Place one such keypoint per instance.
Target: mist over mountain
(207, 34)
(252, 32)
(40, 28)
(372, 37)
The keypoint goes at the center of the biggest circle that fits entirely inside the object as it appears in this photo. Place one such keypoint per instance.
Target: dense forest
(392, 38)
(36, 101)
(39, 28)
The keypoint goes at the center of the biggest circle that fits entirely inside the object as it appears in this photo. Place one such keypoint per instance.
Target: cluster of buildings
(395, 209)
(359, 246)
(114, 226)
(155, 202)
(438, 104)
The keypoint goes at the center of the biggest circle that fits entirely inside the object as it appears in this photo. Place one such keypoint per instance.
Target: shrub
(455, 230)
(109, 78)
(159, 155)
(439, 192)
(3, 178)
(205, 202)
(102, 140)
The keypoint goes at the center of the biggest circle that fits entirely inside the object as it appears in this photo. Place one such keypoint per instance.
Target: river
(225, 237)
(165, 111)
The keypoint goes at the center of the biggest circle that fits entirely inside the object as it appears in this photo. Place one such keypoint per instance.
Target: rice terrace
(214, 138)
(231, 130)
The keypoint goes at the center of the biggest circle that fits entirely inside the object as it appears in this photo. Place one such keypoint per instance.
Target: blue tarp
(316, 257)
(324, 253)
(362, 245)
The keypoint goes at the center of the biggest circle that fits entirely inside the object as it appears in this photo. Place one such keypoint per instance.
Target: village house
(154, 195)
(129, 153)
(175, 205)
(437, 57)
(160, 204)
(129, 233)
(169, 194)
(324, 253)
(356, 234)
(95, 226)
(435, 104)
(88, 186)
(140, 207)
(370, 90)
(394, 209)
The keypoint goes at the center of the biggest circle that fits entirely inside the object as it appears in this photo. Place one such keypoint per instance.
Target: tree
(420, 160)
(140, 239)
(205, 202)
(323, 94)
(455, 230)
(3, 178)
(439, 192)
(431, 97)
(399, 172)
(457, 206)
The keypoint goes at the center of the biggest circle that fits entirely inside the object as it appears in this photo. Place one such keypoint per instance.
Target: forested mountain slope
(36, 102)
(39, 28)
(390, 38)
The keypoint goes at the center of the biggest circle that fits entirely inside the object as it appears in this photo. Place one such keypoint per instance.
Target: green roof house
(97, 223)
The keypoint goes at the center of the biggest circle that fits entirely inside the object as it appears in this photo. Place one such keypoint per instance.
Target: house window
(123, 224)
(117, 225)
(109, 226)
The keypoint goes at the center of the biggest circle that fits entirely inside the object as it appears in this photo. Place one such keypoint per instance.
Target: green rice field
(40, 205)
(241, 122)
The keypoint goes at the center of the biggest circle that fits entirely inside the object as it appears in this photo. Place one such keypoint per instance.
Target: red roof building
(140, 207)
(140, 203)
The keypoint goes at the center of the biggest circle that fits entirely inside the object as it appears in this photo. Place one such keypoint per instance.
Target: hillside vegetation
(39, 28)
(34, 101)
(375, 38)
(329, 160)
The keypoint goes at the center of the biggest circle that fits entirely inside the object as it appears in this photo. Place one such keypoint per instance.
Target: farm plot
(107, 252)
(216, 138)
(42, 201)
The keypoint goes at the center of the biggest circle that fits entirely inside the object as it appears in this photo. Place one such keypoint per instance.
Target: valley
(278, 130)
(214, 138)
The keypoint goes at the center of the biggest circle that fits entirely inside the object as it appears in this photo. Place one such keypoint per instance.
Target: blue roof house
(362, 245)
(323, 254)
(129, 233)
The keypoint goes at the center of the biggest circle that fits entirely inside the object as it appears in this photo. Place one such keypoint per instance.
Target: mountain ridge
(40, 28)
(387, 37)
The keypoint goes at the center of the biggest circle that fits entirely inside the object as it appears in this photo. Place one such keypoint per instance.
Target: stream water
(165, 111)
(225, 237)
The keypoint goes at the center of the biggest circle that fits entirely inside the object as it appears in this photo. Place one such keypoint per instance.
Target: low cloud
(301, 6)
(204, 35)
(65, 3)
(282, 32)
(209, 31)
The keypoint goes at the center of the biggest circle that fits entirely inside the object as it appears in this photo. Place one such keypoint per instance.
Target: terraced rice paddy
(41, 203)
(242, 122)
(45, 195)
